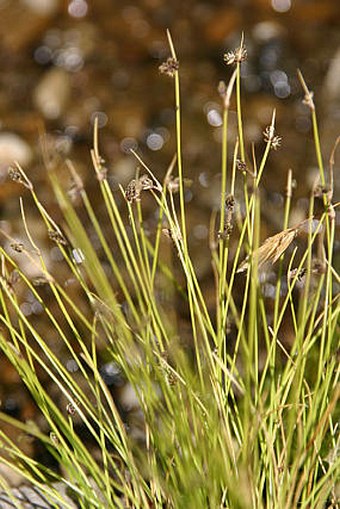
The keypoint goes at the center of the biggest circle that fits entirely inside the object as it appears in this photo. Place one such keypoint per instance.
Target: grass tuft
(235, 406)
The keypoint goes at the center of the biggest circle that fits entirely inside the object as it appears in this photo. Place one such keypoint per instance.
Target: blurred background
(65, 62)
(62, 62)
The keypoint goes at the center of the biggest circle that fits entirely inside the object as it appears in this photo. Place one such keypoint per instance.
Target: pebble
(42, 7)
(52, 93)
(14, 148)
(331, 85)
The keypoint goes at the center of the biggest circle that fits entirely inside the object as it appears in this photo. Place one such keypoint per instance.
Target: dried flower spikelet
(173, 183)
(173, 234)
(318, 267)
(170, 67)
(269, 133)
(241, 165)
(16, 174)
(102, 173)
(57, 237)
(226, 232)
(308, 100)
(269, 136)
(171, 377)
(276, 142)
(299, 274)
(236, 56)
(272, 248)
(71, 407)
(101, 170)
(17, 246)
(131, 192)
(167, 232)
(230, 203)
(308, 97)
(170, 374)
(146, 182)
(319, 191)
(136, 186)
(229, 210)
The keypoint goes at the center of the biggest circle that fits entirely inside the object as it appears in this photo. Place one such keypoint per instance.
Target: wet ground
(62, 63)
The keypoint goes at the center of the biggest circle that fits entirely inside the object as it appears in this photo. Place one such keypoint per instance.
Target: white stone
(42, 7)
(53, 93)
(13, 148)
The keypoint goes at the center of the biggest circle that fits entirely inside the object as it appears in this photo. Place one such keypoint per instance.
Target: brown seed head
(236, 56)
(170, 67)
(136, 186)
(57, 237)
(17, 246)
(270, 137)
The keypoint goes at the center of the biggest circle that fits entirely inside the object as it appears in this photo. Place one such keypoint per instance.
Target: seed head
(57, 237)
(173, 184)
(236, 56)
(131, 193)
(17, 246)
(270, 137)
(135, 187)
(102, 173)
(146, 182)
(241, 165)
(170, 67)
(299, 274)
(16, 174)
(226, 232)
(229, 211)
(308, 100)
(71, 408)
(230, 203)
(173, 234)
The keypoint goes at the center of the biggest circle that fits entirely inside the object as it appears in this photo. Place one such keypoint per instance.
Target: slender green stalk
(179, 146)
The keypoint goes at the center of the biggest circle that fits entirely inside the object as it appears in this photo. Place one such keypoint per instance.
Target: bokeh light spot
(101, 117)
(155, 141)
(77, 8)
(128, 144)
(281, 5)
